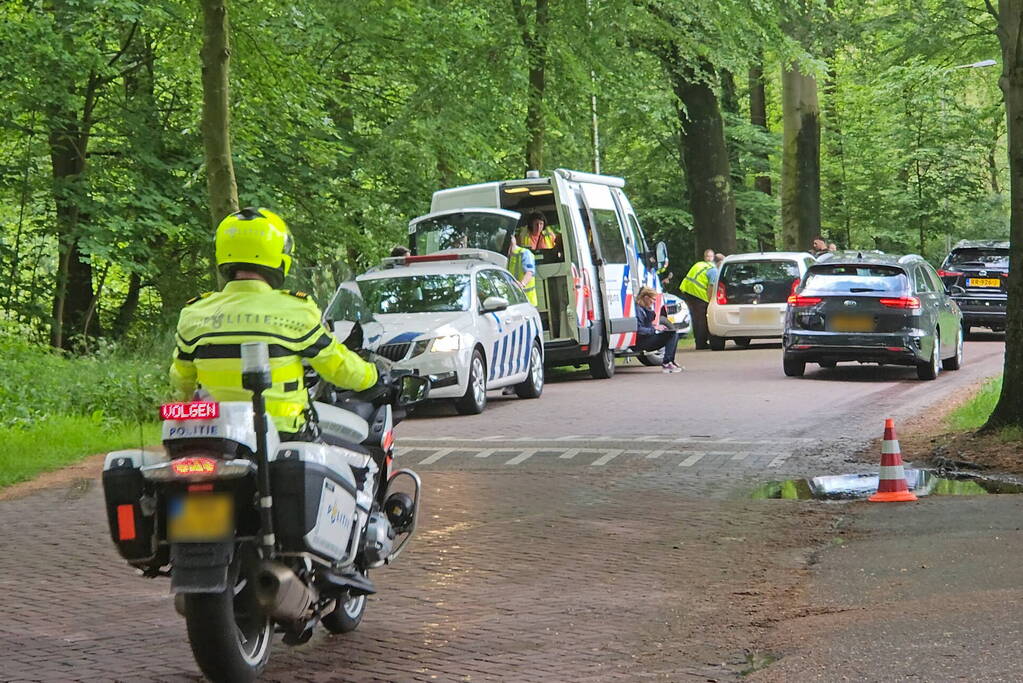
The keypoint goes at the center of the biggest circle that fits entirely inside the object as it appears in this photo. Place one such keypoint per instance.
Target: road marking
(606, 458)
(486, 453)
(436, 456)
(692, 460)
(655, 454)
(779, 460)
(492, 438)
(740, 456)
(569, 454)
(570, 437)
(521, 457)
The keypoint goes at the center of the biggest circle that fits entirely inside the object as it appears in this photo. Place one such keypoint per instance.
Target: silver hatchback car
(873, 308)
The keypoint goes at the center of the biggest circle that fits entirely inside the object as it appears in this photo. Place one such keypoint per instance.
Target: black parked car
(872, 308)
(981, 269)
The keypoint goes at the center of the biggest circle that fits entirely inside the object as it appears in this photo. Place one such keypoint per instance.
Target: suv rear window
(846, 279)
(758, 282)
(998, 258)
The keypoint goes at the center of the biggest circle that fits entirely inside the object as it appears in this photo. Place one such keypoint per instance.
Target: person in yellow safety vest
(522, 266)
(696, 292)
(253, 253)
(536, 235)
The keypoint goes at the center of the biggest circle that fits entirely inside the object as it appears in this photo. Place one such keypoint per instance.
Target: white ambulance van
(586, 284)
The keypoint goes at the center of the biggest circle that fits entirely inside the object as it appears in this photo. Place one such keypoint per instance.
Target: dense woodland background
(347, 116)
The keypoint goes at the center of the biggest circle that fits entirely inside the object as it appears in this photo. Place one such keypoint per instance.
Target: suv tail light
(798, 301)
(949, 273)
(901, 302)
(795, 285)
(722, 298)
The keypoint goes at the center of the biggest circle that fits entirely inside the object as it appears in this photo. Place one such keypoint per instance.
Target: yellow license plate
(200, 517)
(983, 282)
(760, 316)
(852, 323)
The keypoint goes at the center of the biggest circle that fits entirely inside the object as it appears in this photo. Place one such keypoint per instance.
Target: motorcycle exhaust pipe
(281, 593)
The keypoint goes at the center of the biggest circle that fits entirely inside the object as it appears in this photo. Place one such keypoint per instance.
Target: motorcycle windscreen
(614, 265)
(475, 228)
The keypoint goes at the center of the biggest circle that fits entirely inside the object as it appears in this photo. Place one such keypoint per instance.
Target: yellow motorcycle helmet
(254, 239)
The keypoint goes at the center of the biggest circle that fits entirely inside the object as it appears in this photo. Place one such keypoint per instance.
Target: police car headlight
(419, 347)
(446, 344)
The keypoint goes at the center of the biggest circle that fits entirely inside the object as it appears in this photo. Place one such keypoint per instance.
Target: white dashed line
(779, 460)
(740, 456)
(606, 458)
(655, 454)
(569, 454)
(521, 457)
(486, 453)
(492, 438)
(692, 460)
(429, 460)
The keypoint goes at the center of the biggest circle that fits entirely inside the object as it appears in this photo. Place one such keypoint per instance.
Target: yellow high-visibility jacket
(213, 326)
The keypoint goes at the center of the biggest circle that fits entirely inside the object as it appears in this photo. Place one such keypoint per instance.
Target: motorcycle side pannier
(318, 500)
(130, 514)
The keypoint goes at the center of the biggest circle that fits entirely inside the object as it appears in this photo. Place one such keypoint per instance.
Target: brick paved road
(593, 553)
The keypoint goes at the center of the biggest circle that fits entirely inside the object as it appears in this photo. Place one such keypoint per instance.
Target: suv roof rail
(491, 257)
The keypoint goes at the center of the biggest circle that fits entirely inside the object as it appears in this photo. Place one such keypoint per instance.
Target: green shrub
(111, 384)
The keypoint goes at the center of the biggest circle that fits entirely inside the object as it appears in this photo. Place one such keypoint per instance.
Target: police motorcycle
(261, 537)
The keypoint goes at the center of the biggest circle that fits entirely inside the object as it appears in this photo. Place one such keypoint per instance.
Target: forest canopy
(345, 117)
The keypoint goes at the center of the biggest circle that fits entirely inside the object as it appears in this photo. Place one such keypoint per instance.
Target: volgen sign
(196, 410)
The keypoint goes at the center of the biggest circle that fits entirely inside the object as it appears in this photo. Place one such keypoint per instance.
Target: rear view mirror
(662, 255)
(494, 303)
(354, 340)
(414, 389)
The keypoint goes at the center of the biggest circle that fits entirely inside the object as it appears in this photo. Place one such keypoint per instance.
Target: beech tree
(216, 110)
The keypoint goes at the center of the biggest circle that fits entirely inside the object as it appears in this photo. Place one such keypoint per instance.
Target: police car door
(496, 329)
(643, 265)
(524, 325)
(614, 267)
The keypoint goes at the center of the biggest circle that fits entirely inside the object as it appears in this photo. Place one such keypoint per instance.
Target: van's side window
(612, 247)
(585, 218)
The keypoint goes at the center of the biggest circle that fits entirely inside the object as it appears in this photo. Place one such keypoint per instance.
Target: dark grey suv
(980, 269)
(872, 308)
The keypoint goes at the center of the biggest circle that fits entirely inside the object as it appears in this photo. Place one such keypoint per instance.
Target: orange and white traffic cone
(891, 481)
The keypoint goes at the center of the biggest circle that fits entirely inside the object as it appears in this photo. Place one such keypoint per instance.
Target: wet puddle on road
(857, 486)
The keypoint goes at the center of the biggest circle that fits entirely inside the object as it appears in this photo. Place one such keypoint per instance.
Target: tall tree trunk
(1009, 409)
(535, 41)
(758, 118)
(704, 157)
(800, 175)
(128, 307)
(216, 115)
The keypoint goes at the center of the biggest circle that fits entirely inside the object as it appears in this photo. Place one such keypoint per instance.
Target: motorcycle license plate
(983, 282)
(200, 517)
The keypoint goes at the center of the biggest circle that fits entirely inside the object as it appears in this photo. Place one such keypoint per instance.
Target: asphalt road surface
(602, 532)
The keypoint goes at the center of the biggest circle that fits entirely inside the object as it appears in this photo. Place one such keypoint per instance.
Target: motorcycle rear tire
(347, 616)
(216, 622)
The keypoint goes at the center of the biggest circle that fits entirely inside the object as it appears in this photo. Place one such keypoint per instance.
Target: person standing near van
(536, 235)
(522, 266)
(696, 292)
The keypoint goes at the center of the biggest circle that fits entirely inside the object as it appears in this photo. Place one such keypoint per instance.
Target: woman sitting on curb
(651, 336)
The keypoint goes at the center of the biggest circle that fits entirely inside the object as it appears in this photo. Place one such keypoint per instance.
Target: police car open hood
(402, 327)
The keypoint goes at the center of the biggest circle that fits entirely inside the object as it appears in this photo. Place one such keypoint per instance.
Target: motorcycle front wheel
(230, 635)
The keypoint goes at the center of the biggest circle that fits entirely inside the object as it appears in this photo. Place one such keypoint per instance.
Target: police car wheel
(475, 398)
(602, 366)
(532, 386)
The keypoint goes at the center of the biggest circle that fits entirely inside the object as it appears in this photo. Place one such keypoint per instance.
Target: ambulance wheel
(602, 366)
(347, 616)
(475, 398)
(651, 359)
(532, 386)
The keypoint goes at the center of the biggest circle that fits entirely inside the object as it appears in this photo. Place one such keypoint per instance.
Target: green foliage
(109, 387)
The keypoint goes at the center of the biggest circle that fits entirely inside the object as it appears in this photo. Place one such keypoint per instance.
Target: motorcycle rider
(253, 254)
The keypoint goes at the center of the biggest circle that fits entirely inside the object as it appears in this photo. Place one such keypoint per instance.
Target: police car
(458, 317)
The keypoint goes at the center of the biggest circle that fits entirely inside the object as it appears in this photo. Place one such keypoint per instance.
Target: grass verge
(60, 440)
(975, 412)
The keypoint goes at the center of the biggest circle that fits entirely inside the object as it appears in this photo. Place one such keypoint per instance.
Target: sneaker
(677, 368)
(669, 368)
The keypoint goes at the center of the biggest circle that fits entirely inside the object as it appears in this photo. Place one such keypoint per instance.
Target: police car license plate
(851, 323)
(200, 517)
(983, 282)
